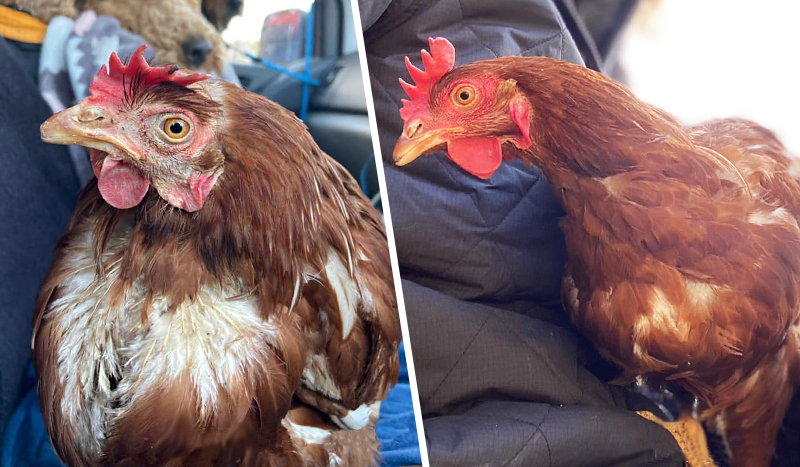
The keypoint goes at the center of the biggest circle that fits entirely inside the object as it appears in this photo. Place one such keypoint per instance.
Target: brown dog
(176, 30)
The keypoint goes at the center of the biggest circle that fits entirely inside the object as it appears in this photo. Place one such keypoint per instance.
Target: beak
(85, 125)
(415, 142)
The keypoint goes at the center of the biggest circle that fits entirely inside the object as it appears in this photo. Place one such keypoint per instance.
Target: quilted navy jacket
(503, 378)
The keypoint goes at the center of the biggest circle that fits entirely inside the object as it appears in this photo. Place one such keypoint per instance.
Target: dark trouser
(38, 189)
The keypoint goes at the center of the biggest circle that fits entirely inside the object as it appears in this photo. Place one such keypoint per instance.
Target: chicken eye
(464, 95)
(175, 128)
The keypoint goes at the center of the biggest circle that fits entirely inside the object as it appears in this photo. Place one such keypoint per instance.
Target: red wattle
(121, 185)
(479, 156)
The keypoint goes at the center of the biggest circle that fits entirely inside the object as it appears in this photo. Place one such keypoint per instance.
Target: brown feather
(280, 213)
(682, 242)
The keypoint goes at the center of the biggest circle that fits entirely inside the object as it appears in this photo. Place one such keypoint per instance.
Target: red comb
(110, 80)
(437, 63)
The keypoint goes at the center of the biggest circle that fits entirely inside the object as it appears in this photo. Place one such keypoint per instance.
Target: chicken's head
(472, 111)
(145, 126)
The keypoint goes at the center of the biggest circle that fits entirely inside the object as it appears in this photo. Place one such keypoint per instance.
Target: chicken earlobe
(191, 195)
(520, 111)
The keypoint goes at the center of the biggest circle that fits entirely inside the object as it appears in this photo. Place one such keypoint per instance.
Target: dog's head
(176, 30)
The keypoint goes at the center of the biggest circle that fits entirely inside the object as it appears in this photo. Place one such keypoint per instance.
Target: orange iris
(464, 95)
(176, 128)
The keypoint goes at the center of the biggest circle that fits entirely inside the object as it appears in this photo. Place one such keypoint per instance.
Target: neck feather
(260, 225)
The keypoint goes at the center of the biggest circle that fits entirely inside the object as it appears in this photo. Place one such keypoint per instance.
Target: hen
(683, 243)
(223, 293)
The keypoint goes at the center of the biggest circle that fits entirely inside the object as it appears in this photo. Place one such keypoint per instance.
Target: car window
(349, 44)
(273, 30)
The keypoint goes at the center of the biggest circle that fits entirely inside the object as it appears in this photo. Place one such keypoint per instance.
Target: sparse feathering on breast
(223, 293)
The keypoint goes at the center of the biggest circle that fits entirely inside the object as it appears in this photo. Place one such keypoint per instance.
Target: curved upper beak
(415, 142)
(85, 125)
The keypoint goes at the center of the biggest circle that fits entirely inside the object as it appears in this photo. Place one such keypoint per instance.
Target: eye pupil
(464, 95)
(176, 128)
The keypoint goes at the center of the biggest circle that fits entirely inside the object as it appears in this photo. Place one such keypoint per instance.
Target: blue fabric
(397, 429)
(26, 443)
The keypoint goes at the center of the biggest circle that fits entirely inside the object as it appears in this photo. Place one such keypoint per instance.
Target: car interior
(337, 108)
